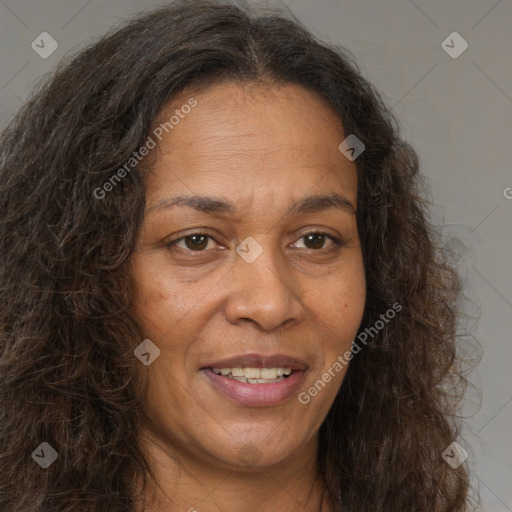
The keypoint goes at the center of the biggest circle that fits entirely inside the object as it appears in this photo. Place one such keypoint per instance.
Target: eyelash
(336, 241)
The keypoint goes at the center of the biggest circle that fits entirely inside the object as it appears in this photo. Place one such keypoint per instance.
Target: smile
(250, 391)
(254, 375)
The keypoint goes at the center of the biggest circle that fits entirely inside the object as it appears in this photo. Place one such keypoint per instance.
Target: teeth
(264, 381)
(254, 375)
(269, 373)
(257, 381)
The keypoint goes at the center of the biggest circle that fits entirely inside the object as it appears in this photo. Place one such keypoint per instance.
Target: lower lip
(255, 395)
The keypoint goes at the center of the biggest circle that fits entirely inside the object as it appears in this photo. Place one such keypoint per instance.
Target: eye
(196, 242)
(316, 239)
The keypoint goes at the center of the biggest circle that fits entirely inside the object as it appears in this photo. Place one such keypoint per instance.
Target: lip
(255, 395)
(259, 361)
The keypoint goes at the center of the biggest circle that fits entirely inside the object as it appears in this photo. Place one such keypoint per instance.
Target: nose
(264, 292)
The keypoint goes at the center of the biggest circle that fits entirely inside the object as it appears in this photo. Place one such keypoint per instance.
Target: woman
(220, 290)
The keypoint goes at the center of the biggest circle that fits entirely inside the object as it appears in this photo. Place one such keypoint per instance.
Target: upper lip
(260, 361)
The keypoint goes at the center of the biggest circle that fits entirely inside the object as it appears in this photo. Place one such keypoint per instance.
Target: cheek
(339, 299)
(339, 311)
(155, 306)
(158, 300)
(147, 301)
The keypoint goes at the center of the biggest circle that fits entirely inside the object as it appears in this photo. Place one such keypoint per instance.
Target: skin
(261, 147)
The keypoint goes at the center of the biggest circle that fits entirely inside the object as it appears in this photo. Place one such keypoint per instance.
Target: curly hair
(68, 373)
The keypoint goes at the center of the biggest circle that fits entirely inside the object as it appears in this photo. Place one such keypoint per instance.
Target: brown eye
(316, 240)
(196, 242)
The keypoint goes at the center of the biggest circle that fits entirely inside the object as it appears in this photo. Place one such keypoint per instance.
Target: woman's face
(230, 277)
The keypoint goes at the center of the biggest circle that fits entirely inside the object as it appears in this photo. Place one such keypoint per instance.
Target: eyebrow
(215, 205)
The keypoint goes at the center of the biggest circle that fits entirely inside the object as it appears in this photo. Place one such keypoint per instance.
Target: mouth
(256, 381)
(255, 375)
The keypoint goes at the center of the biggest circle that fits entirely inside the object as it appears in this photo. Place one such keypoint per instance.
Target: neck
(187, 482)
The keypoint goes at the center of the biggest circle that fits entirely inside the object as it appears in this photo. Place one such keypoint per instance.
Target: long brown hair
(68, 374)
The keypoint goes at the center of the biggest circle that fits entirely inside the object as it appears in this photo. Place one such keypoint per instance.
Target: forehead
(249, 135)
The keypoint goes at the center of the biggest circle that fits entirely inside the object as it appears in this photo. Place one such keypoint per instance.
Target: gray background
(457, 112)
